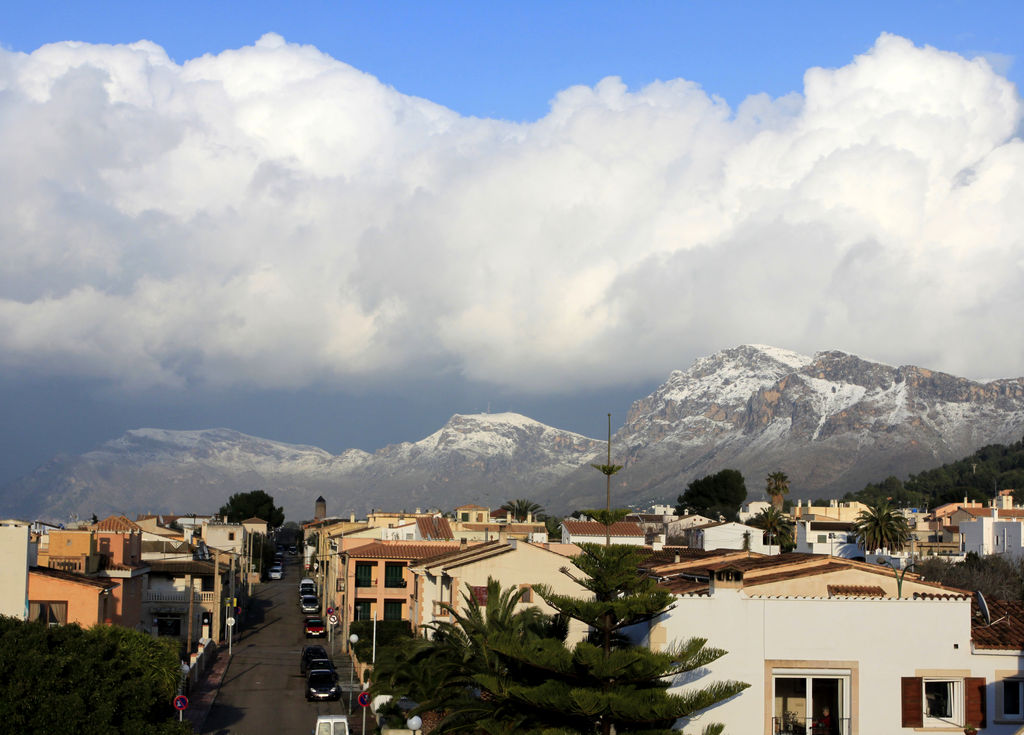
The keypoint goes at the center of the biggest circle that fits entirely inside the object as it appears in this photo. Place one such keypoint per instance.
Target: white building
(592, 532)
(17, 552)
(730, 535)
(995, 532)
(834, 538)
(810, 632)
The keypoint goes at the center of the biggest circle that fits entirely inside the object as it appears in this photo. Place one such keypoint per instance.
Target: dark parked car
(309, 604)
(315, 628)
(322, 684)
(311, 653)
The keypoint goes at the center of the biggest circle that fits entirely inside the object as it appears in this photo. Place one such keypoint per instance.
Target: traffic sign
(330, 611)
(229, 622)
(180, 702)
(333, 619)
(364, 699)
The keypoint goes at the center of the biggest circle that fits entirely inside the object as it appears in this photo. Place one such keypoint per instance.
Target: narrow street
(263, 692)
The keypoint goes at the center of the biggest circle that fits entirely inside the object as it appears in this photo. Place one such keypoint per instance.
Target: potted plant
(970, 730)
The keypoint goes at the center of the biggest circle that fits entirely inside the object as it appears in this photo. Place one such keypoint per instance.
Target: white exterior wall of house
(868, 644)
(15, 552)
(401, 532)
(987, 535)
(843, 543)
(570, 538)
(225, 536)
(731, 536)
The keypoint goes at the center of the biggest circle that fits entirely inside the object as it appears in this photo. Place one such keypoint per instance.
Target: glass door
(807, 703)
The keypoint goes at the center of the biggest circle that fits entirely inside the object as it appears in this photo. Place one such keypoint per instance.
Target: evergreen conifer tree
(605, 682)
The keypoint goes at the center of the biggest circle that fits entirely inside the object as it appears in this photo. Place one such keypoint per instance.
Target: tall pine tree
(601, 684)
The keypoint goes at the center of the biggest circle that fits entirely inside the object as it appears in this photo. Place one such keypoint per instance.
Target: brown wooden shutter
(912, 688)
(974, 692)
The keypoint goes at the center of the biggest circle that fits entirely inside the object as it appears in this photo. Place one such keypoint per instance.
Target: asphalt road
(263, 692)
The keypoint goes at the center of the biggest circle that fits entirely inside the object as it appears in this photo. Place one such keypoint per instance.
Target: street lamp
(353, 639)
(414, 723)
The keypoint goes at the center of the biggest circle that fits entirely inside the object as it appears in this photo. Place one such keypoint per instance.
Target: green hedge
(389, 632)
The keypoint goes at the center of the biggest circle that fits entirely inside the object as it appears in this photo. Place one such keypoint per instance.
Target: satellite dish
(983, 607)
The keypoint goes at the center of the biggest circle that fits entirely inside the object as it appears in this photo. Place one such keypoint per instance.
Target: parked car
(307, 586)
(311, 653)
(315, 628)
(321, 663)
(322, 684)
(276, 572)
(331, 725)
(309, 604)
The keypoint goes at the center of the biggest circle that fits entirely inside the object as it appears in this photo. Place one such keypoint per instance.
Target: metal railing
(177, 596)
(793, 725)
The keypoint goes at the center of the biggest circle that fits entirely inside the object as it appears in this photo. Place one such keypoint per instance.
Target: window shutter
(912, 690)
(974, 691)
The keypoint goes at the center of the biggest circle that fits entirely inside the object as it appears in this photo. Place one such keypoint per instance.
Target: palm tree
(777, 485)
(881, 526)
(776, 526)
(520, 508)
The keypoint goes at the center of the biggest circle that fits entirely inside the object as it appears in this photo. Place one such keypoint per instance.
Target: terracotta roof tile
(401, 550)
(1005, 632)
(593, 528)
(435, 528)
(120, 524)
(855, 590)
(72, 577)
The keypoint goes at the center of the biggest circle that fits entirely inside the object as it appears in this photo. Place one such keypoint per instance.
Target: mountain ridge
(833, 421)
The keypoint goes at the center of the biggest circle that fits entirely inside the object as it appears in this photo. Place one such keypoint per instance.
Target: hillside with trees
(977, 477)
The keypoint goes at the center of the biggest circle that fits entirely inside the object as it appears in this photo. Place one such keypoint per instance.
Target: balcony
(396, 582)
(791, 724)
(205, 598)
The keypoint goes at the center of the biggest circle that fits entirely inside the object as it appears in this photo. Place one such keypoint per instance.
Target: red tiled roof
(1005, 632)
(682, 586)
(120, 524)
(435, 528)
(402, 550)
(72, 577)
(593, 528)
(854, 590)
(459, 552)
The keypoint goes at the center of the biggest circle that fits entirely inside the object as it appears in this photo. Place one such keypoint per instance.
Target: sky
(338, 224)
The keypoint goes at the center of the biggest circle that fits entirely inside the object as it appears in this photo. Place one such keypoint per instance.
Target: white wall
(14, 550)
(886, 639)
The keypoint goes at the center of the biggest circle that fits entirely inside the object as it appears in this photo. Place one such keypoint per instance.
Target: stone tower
(321, 509)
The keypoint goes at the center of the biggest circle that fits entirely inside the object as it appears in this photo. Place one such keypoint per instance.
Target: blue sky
(270, 240)
(507, 59)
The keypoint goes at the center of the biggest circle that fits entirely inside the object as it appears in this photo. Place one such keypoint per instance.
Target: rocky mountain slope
(831, 421)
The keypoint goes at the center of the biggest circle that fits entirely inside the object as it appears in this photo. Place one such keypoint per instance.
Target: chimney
(529, 517)
(676, 559)
(351, 517)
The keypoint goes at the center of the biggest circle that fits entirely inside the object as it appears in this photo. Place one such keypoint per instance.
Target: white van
(331, 725)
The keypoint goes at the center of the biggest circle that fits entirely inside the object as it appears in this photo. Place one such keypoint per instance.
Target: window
(943, 701)
(362, 610)
(479, 594)
(392, 609)
(364, 574)
(464, 517)
(51, 613)
(393, 575)
(231, 535)
(527, 591)
(806, 701)
(1012, 691)
(822, 538)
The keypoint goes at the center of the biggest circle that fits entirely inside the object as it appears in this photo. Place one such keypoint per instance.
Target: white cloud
(273, 217)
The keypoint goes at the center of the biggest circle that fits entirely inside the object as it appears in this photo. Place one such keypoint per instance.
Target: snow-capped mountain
(484, 458)
(832, 422)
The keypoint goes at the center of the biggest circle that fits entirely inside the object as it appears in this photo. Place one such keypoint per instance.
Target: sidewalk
(201, 699)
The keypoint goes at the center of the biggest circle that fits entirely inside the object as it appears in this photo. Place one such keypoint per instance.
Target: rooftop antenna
(983, 607)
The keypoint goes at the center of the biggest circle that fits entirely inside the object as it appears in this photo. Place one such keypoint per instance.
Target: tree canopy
(776, 486)
(253, 504)
(719, 494)
(976, 477)
(881, 526)
(777, 528)
(100, 680)
(519, 508)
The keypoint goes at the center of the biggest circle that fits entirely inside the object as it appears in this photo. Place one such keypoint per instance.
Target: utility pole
(191, 608)
(217, 590)
(608, 470)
